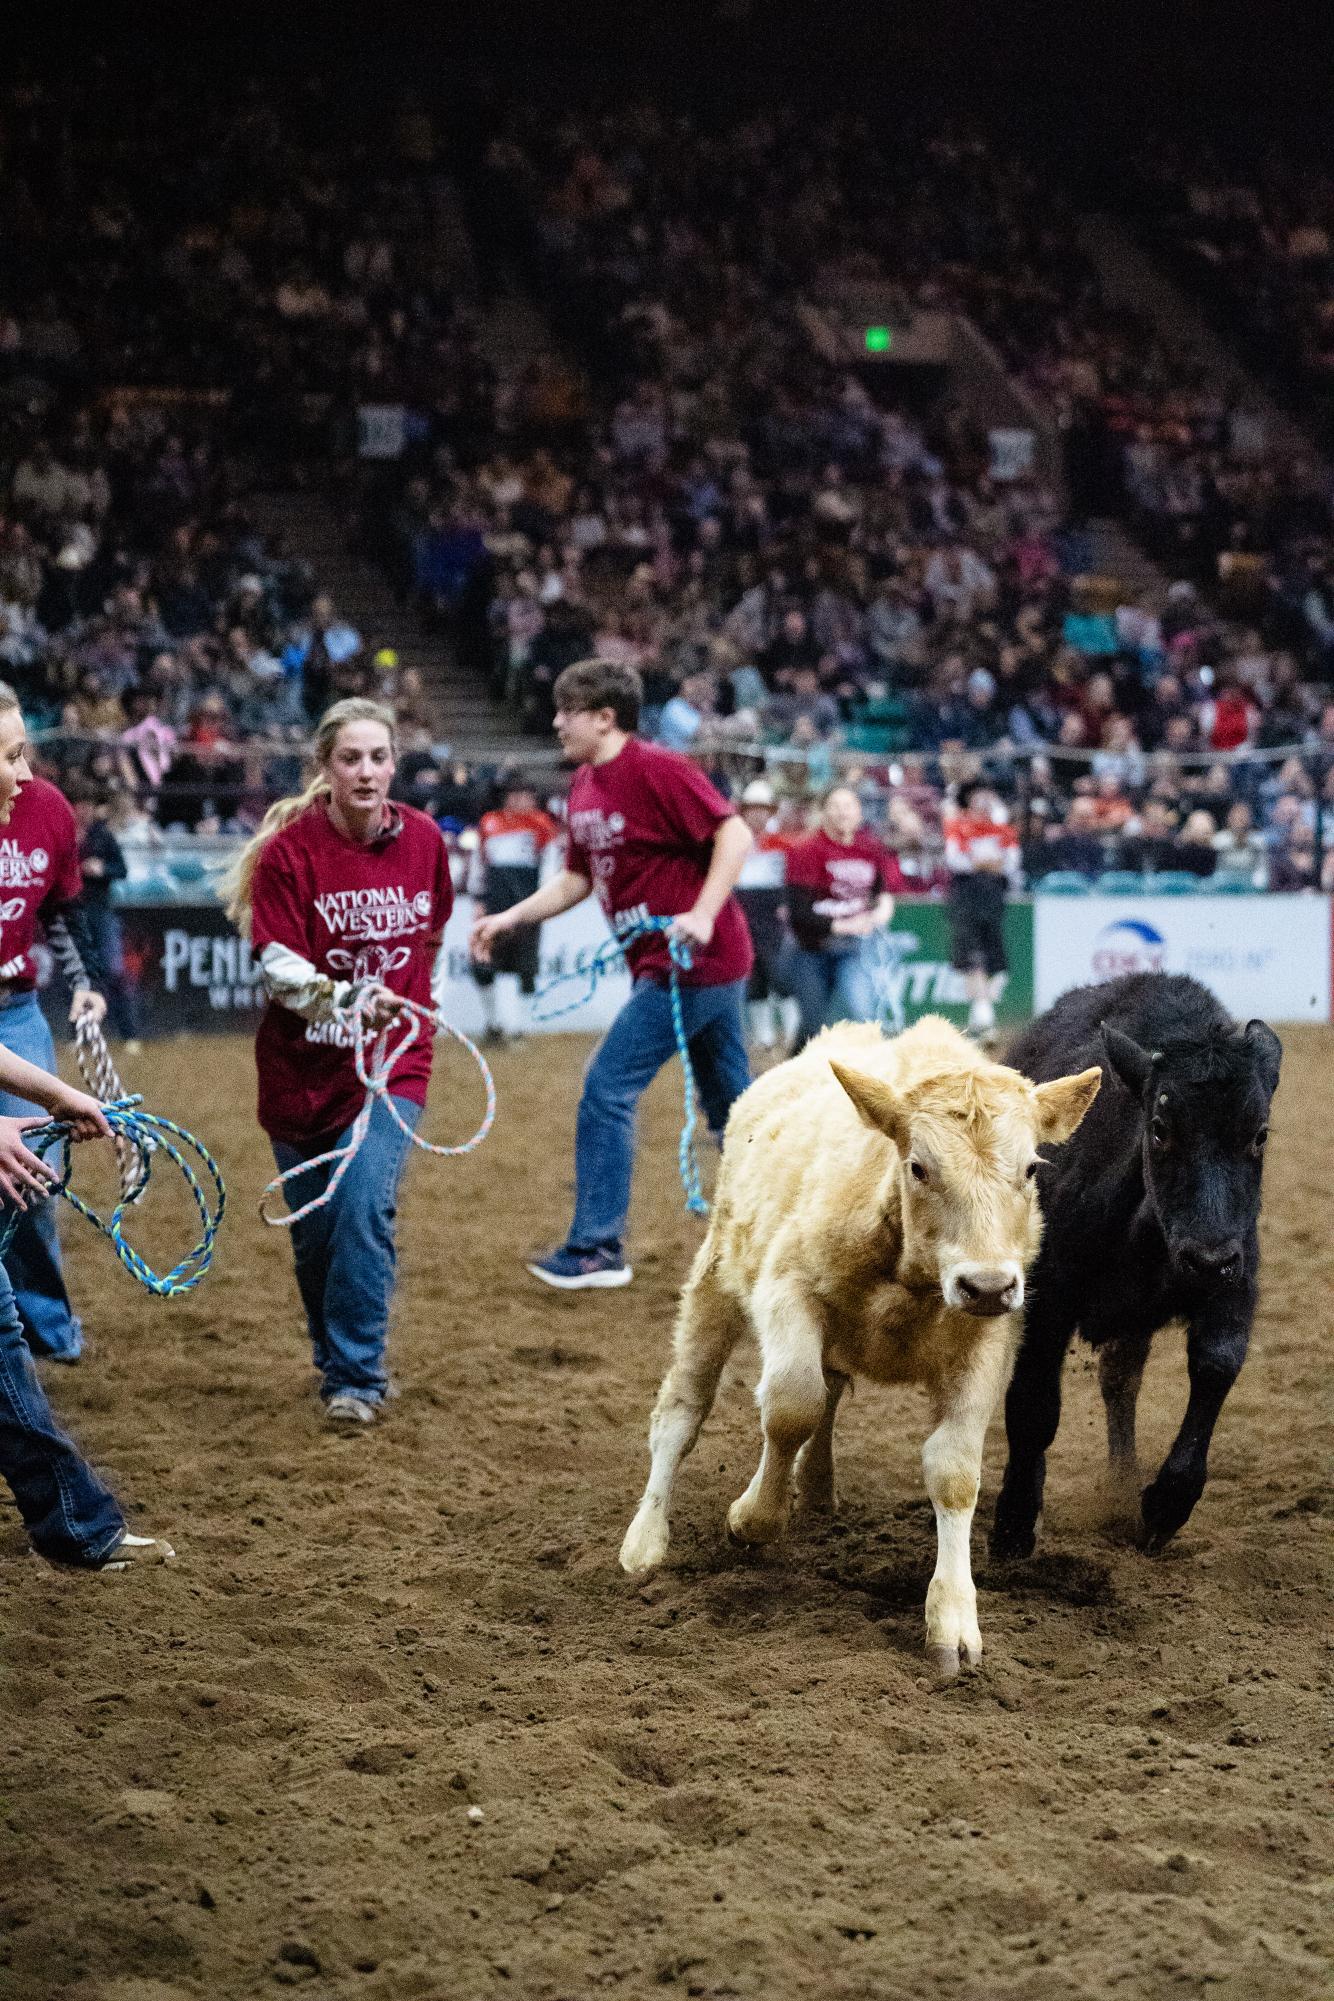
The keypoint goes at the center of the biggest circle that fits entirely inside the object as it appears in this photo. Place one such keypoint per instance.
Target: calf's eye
(917, 1170)
(1258, 1143)
(1031, 1171)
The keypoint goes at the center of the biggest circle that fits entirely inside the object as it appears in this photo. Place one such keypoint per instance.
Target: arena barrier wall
(1262, 955)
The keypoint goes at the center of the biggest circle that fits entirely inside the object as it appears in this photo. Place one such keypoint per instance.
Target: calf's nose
(989, 1289)
(1212, 1261)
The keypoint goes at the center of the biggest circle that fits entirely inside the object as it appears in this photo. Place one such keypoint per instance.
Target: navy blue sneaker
(578, 1271)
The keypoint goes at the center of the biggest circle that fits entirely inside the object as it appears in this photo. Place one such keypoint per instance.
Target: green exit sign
(878, 340)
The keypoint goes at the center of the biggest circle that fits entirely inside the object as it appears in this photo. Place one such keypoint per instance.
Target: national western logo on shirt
(374, 913)
(595, 829)
(22, 869)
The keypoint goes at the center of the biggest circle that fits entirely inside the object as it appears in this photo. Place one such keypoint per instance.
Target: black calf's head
(1205, 1106)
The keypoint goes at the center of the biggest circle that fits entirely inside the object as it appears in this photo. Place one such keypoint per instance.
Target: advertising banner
(192, 974)
(1261, 955)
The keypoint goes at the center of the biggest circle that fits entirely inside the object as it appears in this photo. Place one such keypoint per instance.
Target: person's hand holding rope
(87, 1002)
(379, 1006)
(692, 927)
(24, 1176)
(83, 1115)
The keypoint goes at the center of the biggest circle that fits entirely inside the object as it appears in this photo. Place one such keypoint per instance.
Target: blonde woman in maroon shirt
(343, 893)
(840, 892)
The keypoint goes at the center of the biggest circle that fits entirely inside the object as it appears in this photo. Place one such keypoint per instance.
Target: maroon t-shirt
(842, 879)
(371, 912)
(39, 863)
(641, 830)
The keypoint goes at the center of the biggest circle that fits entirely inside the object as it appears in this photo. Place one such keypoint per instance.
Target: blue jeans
(345, 1257)
(33, 1257)
(66, 1510)
(845, 976)
(109, 944)
(625, 1062)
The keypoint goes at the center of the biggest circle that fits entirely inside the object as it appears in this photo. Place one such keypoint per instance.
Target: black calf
(1151, 1216)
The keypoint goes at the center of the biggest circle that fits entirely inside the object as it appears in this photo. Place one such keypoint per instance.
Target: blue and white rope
(147, 1135)
(889, 949)
(376, 1061)
(593, 967)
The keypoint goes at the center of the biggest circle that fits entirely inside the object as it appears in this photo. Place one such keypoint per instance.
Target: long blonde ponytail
(235, 885)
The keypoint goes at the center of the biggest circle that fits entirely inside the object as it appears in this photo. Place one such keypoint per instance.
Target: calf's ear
(878, 1106)
(1063, 1103)
(1268, 1052)
(1132, 1065)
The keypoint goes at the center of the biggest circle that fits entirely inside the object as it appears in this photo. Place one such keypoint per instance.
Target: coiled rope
(590, 969)
(99, 1073)
(376, 1059)
(145, 1134)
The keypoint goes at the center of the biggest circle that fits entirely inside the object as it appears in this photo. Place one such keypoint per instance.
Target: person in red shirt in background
(651, 837)
(841, 883)
(506, 867)
(343, 894)
(1229, 720)
(982, 854)
(761, 891)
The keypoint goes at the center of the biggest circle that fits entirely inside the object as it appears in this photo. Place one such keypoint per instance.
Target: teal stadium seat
(187, 868)
(1062, 882)
(150, 889)
(1230, 885)
(1174, 882)
(1120, 882)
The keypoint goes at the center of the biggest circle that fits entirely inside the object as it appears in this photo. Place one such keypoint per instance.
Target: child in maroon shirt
(650, 837)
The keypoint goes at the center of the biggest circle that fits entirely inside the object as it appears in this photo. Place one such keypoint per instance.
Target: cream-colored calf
(875, 1215)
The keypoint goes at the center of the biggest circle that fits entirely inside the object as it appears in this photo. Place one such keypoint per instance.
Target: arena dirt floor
(258, 1769)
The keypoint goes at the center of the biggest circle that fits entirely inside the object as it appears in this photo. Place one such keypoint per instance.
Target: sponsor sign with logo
(924, 982)
(1262, 955)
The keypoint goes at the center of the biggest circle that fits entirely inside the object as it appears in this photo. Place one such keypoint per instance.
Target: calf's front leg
(1216, 1344)
(817, 1492)
(792, 1400)
(952, 1464)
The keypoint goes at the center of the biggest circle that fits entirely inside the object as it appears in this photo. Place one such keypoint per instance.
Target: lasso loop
(590, 969)
(144, 1134)
(376, 1058)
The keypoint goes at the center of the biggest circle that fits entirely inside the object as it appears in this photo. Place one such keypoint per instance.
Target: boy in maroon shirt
(651, 837)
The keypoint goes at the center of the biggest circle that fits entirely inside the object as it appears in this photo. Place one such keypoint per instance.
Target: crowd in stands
(1258, 238)
(189, 298)
(800, 564)
(812, 574)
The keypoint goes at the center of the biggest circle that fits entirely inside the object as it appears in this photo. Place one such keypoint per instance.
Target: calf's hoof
(1012, 1540)
(645, 1545)
(1164, 1507)
(748, 1529)
(816, 1497)
(946, 1661)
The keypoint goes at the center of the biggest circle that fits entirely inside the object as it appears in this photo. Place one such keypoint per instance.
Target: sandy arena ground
(254, 1770)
